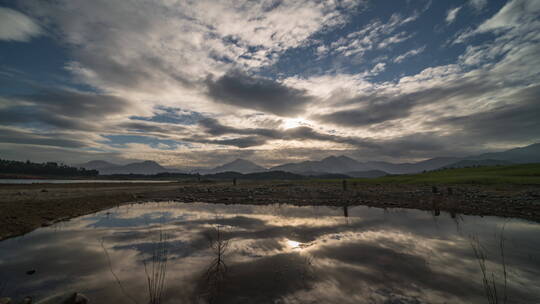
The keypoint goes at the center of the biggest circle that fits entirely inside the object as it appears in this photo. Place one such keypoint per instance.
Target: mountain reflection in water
(274, 254)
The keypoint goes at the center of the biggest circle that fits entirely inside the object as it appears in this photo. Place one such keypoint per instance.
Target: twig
(114, 275)
(490, 283)
(501, 245)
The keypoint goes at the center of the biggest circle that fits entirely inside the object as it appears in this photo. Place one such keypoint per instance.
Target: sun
(289, 123)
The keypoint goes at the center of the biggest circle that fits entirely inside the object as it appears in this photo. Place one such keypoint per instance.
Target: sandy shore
(26, 207)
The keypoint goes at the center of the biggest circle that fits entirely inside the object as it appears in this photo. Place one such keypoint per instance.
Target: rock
(5, 301)
(27, 300)
(44, 190)
(68, 298)
(31, 272)
(79, 298)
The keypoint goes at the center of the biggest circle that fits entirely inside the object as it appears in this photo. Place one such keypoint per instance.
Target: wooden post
(344, 184)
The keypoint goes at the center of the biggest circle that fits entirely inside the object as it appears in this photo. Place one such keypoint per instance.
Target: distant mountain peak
(241, 161)
(142, 167)
(330, 164)
(339, 157)
(96, 165)
(238, 165)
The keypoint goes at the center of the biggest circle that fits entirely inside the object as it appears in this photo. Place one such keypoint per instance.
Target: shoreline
(25, 207)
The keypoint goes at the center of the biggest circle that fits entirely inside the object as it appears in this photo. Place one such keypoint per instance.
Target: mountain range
(336, 165)
(144, 167)
(239, 165)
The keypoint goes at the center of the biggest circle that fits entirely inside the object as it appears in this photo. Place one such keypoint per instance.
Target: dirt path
(26, 207)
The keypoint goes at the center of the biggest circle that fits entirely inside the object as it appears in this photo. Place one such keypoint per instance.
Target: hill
(522, 155)
(342, 164)
(367, 174)
(106, 168)
(268, 175)
(96, 165)
(478, 163)
(522, 174)
(331, 164)
(239, 165)
(408, 168)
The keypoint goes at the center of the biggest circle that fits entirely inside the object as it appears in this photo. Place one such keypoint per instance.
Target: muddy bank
(505, 201)
(26, 207)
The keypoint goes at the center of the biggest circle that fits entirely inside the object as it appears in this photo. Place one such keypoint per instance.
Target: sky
(197, 83)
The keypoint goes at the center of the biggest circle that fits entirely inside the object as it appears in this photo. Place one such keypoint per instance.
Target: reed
(490, 281)
(157, 270)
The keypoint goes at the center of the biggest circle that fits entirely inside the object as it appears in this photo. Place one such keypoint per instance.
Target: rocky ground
(26, 207)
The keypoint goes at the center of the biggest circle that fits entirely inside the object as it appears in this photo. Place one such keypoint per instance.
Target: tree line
(48, 168)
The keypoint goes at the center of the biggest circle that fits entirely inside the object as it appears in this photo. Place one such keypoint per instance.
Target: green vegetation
(525, 174)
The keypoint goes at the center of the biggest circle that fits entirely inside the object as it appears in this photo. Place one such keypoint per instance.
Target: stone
(68, 298)
(27, 300)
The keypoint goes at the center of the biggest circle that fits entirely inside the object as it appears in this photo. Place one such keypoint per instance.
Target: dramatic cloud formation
(257, 93)
(198, 83)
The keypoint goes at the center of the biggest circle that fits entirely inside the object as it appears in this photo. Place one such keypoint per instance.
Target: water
(74, 181)
(274, 254)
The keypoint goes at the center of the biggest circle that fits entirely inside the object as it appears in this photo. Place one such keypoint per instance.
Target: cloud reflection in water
(274, 253)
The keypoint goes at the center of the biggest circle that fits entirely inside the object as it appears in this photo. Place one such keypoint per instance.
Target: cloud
(301, 133)
(15, 26)
(240, 142)
(76, 103)
(394, 39)
(375, 34)
(451, 14)
(148, 127)
(408, 54)
(69, 109)
(118, 45)
(517, 17)
(513, 122)
(257, 93)
(147, 64)
(63, 109)
(18, 136)
(379, 107)
(514, 13)
(172, 115)
(379, 67)
(478, 4)
(214, 127)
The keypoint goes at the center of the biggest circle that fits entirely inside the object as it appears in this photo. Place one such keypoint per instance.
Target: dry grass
(155, 271)
(490, 280)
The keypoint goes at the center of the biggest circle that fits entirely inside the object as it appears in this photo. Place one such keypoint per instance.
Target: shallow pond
(200, 253)
(76, 181)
